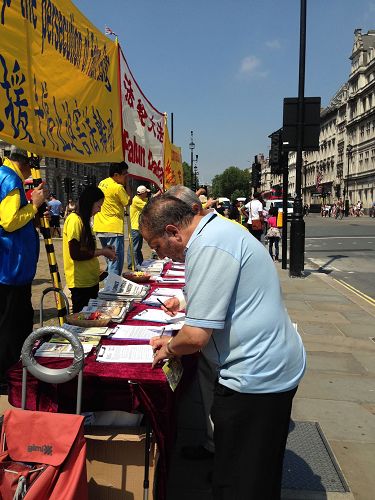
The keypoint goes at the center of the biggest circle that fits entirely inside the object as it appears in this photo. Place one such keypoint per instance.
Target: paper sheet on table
(158, 316)
(168, 292)
(139, 332)
(175, 272)
(125, 354)
(175, 281)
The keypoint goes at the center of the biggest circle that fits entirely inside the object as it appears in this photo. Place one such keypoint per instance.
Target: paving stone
(333, 306)
(357, 330)
(309, 328)
(361, 317)
(355, 459)
(338, 387)
(367, 360)
(335, 362)
(320, 317)
(340, 420)
(297, 305)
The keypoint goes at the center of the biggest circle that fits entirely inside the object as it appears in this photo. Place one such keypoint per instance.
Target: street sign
(311, 123)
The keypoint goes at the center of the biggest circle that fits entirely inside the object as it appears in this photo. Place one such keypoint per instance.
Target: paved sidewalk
(338, 390)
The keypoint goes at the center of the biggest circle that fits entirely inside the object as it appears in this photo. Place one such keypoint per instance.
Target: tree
(187, 174)
(233, 181)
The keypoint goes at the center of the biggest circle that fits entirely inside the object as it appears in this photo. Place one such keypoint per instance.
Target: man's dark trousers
(16, 322)
(250, 433)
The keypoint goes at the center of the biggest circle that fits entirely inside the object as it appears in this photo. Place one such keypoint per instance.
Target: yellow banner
(173, 172)
(59, 92)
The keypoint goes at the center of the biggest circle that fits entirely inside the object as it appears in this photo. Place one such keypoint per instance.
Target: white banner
(142, 130)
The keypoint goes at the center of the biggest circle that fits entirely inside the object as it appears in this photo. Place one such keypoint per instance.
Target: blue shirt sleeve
(211, 279)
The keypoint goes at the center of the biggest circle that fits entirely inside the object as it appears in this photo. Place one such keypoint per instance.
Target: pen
(162, 303)
(162, 332)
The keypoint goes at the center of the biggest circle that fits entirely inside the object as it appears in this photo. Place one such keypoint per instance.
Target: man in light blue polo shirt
(236, 315)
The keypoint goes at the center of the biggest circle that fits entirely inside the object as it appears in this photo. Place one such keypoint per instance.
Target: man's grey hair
(162, 211)
(184, 194)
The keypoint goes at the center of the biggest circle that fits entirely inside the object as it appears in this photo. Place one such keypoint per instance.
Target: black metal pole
(297, 227)
(284, 234)
(347, 203)
(191, 170)
(172, 128)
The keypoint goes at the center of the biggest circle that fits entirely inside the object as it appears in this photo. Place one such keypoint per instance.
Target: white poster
(142, 130)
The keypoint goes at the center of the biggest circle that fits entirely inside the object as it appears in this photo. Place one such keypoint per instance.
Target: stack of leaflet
(116, 310)
(153, 266)
(92, 331)
(61, 349)
(118, 288)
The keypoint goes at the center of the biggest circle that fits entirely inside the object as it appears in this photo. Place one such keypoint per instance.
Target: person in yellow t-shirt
(81, 263)
(109, 223)
(138, 203)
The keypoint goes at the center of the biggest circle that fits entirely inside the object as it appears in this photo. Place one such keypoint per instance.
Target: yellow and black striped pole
(50, 249)
(131, 246)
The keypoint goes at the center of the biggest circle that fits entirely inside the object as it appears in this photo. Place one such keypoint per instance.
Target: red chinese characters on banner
(143, 130)
(129, 94)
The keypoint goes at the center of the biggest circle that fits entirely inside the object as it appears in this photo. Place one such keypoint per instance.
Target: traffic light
(67, 185)
(275, 154)
(256, 174)
(86, 180)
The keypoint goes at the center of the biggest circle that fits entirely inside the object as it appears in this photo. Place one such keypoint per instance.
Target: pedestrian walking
(255, 216)
(260, 356)
(19, 253)
(109, 222)
(56, 211)
(138, 203)
(273, 233)
(70, 207)
(81, 263)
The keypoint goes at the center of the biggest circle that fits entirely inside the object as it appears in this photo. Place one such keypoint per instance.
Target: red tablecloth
(112, 386)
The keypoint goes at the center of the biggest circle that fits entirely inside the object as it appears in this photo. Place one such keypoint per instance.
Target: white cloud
(273, 44)
(251, 66)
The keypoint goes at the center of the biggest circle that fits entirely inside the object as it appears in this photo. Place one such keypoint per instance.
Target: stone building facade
(344, 165)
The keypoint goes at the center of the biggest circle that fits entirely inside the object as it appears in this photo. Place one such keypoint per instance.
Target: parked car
(225, 202)
(278, 203)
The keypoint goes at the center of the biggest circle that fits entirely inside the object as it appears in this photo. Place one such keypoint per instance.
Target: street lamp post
(349, 149)
(191, 146)
(196, 173)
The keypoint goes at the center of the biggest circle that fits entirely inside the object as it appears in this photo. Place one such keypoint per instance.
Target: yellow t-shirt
(135, 211)
(111, 217)
(78, 273)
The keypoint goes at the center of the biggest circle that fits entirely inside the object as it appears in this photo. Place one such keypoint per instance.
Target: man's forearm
(189, 339)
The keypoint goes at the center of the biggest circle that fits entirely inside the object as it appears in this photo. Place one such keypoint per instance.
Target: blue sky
(223, 67)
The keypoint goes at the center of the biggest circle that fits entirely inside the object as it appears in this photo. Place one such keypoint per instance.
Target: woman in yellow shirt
(81, 263)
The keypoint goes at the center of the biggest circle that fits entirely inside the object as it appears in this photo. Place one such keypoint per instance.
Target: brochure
(119, 288)
(60, 350)
(173, 370)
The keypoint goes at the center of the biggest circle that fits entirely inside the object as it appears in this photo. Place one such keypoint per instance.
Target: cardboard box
(115, 463)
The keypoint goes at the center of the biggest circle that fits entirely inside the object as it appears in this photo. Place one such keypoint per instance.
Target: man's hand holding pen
(170, 306)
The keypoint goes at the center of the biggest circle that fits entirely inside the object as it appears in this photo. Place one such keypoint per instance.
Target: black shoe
(196, 453)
